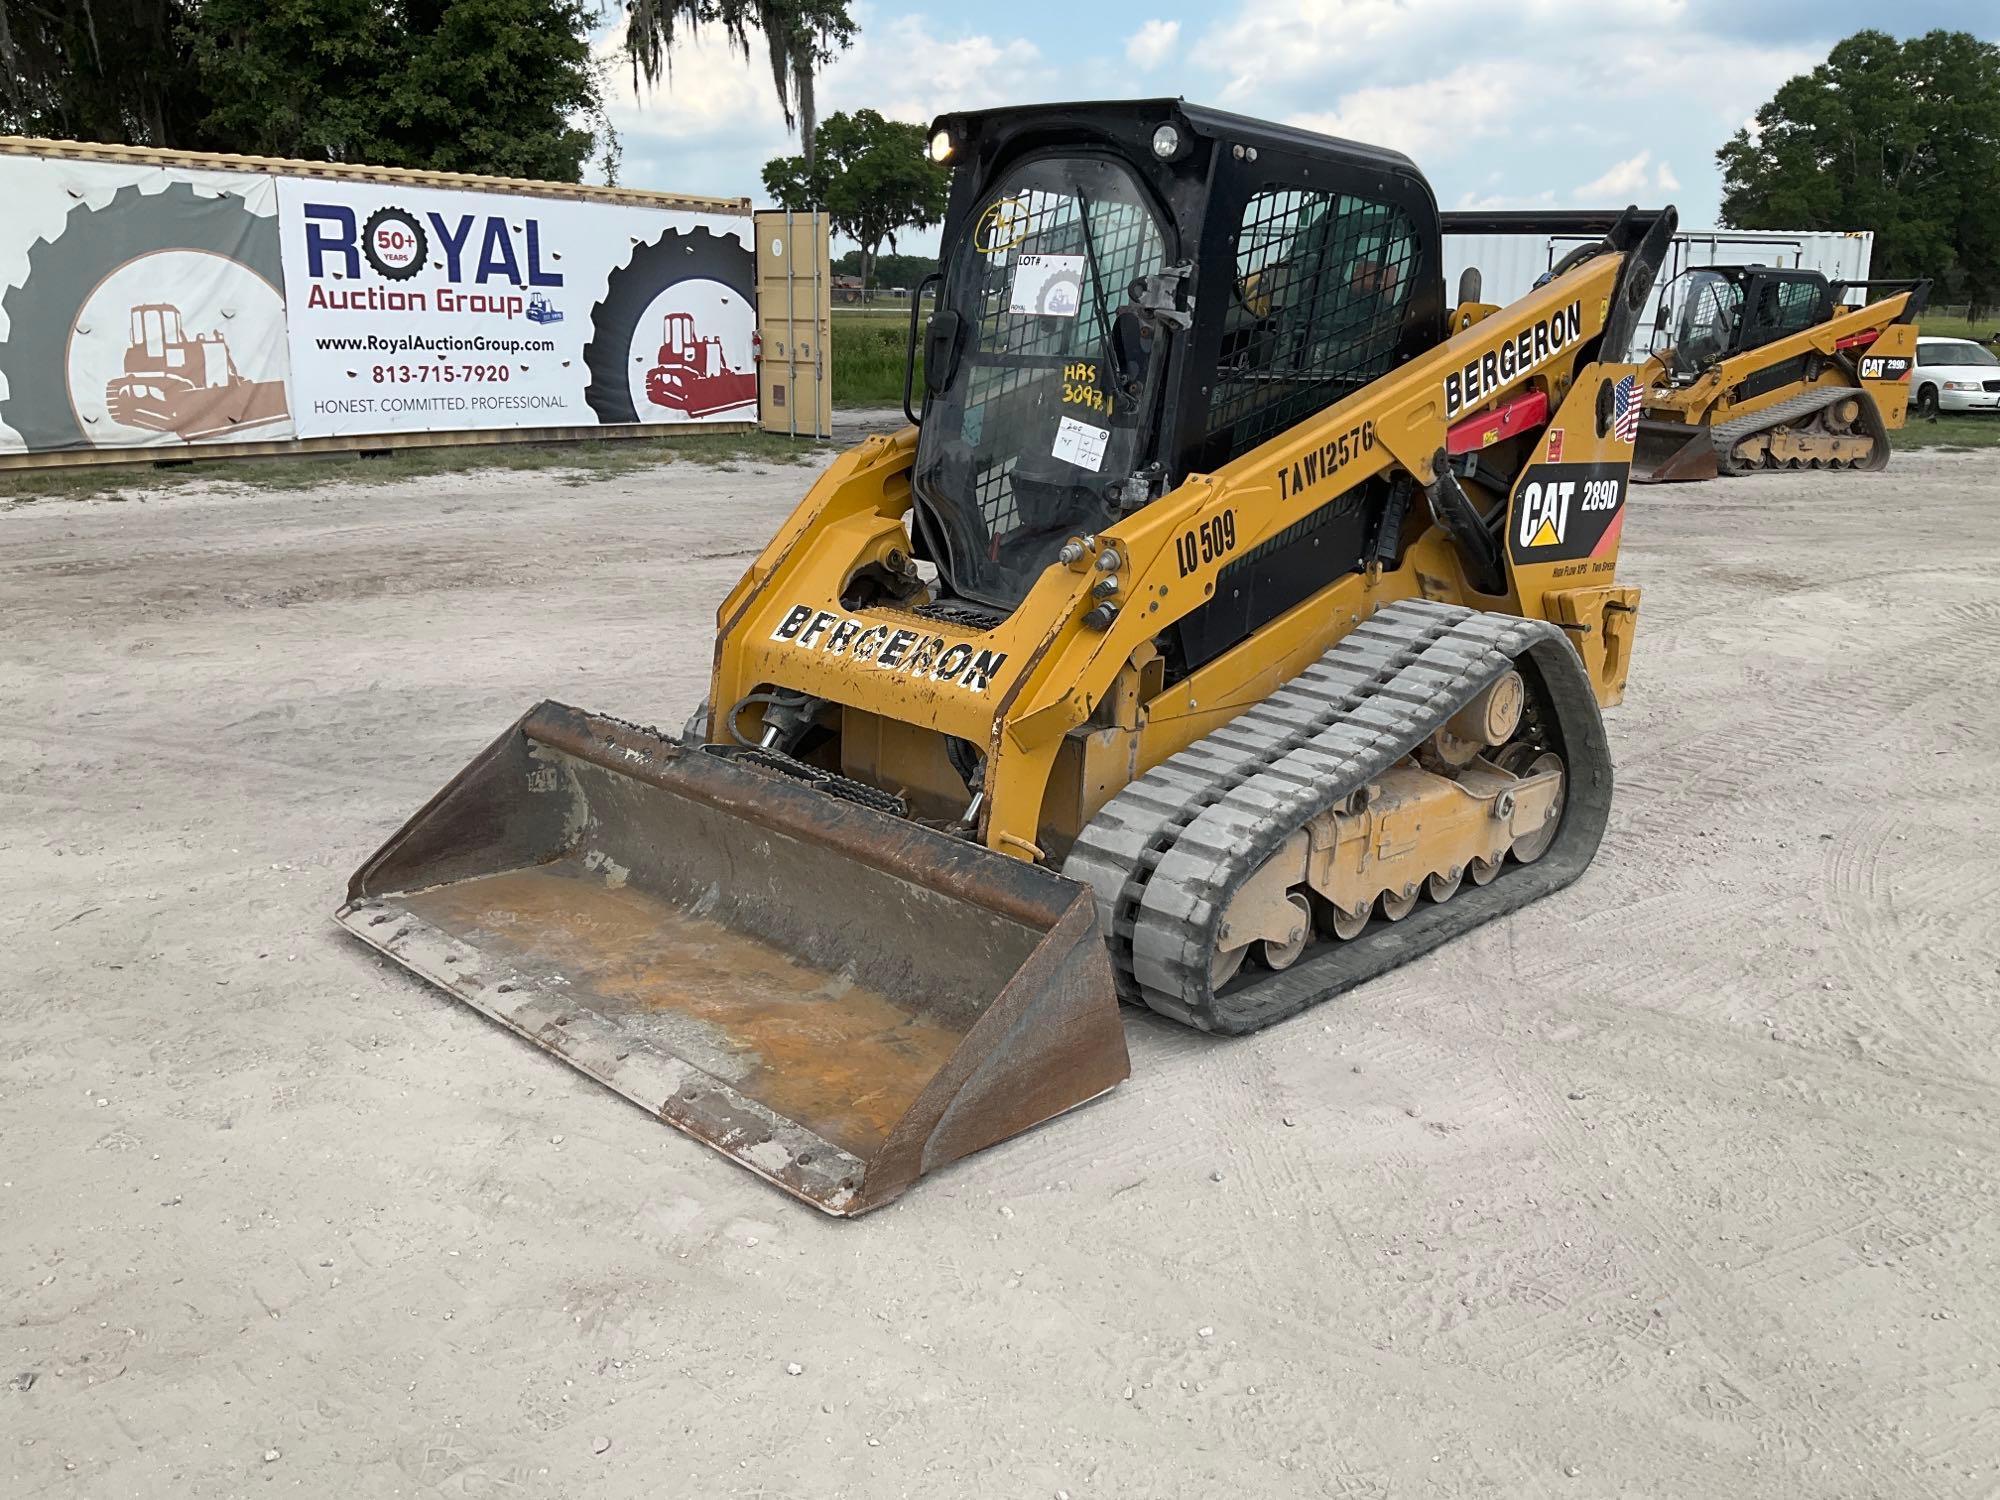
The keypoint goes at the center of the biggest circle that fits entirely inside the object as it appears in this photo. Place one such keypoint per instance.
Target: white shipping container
(1509, 264)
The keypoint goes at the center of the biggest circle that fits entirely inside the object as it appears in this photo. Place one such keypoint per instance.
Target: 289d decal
(1565, 511)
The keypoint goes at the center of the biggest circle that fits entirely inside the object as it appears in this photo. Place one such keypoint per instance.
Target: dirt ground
(1683, 1182)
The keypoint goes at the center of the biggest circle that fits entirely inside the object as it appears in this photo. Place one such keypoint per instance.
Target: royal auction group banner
(147, 305)
(416, 309)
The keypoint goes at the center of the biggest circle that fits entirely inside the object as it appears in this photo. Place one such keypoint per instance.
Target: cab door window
(1323, 282)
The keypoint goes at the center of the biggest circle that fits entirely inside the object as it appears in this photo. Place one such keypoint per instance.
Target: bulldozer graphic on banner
(692, 375)
(189, 386)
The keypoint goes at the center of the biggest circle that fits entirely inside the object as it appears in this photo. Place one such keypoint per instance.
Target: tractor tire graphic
(64, 271)
(676, 256)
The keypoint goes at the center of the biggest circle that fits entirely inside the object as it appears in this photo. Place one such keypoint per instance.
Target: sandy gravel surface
(1683, 1182)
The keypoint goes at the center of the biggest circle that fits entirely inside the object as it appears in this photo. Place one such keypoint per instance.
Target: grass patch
(1952, 432)
(868, 356)
(577, 462)
(1938, 326)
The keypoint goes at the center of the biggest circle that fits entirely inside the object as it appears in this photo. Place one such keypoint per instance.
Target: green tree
(872, 177)
(888, 270)
(296, 77)
(1899, 137)
(126, 76)
(800, 37)
(490, 86)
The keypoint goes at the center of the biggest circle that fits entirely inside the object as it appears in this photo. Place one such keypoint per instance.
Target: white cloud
(1565, 88)
(1711, 83)
(1152, 44)
(1270, 42)
(1268, 46)
(709, 90)
(1490, 202)
(1623, 180)
(908, 72)
(714, 120)
(713, 89)
(1628, 180)
(1417, 118)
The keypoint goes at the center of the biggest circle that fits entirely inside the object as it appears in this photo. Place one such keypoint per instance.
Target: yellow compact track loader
(1229, 626)
(1767, 370)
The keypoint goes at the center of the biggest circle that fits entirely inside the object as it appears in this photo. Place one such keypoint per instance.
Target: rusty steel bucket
(839, 999)
(1673, 453)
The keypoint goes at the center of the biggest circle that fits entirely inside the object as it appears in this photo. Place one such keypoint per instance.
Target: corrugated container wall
(1509, 263)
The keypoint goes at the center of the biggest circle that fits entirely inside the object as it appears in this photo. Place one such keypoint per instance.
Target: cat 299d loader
(1230, 626)
(1767, 370)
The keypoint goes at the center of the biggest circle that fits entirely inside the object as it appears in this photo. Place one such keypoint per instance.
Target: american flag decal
(1625, 409)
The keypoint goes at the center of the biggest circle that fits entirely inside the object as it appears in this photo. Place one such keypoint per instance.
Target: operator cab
(1068, 380)
(1728, 310)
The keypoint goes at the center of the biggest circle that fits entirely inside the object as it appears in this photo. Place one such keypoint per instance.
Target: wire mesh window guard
(1323, 281)
(1022, 357)
(1028, 435)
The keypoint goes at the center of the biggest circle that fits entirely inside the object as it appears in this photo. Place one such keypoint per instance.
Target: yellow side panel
(1566, 516)
(1886, 367)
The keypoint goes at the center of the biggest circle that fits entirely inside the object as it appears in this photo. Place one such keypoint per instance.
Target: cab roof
(1109, 116)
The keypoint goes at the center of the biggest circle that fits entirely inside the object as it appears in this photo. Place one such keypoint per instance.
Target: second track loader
(1230, 625)
(1767, 370)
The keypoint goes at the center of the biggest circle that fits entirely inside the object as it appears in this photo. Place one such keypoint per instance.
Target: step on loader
(1229, 625)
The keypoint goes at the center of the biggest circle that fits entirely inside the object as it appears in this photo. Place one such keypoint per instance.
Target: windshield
(1954, 352)
(1029, 438)
(1711, 310)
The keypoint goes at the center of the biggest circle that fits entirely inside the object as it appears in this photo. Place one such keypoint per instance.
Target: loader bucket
(839, 999)
(1670, 452)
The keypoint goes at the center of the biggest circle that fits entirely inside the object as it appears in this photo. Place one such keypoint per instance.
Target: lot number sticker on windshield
(1081, 444)
(1048, 285)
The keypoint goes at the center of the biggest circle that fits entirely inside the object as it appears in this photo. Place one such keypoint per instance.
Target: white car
(1954, 375)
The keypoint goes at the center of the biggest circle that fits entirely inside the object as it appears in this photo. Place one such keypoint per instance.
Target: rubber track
(1166, 854)
(1729, 434)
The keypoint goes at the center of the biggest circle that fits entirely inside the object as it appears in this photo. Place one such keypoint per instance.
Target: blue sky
(1558, 103)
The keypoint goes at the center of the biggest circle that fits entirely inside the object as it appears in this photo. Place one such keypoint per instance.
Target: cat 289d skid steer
(1767, 370)
(1231, 627)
